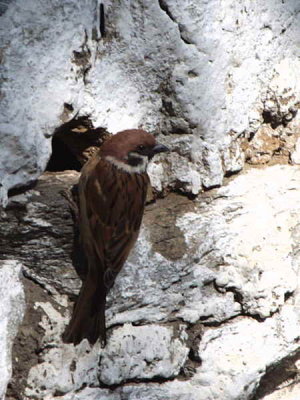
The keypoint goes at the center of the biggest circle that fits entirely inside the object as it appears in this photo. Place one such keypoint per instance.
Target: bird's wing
(114, 205)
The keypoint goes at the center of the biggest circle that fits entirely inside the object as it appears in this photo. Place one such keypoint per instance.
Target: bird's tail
(88, 319)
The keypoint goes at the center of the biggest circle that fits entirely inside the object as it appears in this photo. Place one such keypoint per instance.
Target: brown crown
(120, 144)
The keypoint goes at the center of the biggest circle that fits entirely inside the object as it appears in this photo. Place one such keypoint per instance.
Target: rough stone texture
(223, 70)
(42, 216)
(11, 313)
(142, 353)
(207, 306)
(214, 281)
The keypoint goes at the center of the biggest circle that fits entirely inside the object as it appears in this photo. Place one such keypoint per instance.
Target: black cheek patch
(134, 161)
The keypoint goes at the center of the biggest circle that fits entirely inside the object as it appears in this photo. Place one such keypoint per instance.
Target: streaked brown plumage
(112, 194)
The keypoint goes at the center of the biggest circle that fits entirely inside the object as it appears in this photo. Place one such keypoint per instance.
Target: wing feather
(112, 210)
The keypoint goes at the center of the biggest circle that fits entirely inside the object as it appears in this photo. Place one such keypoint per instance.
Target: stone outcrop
(204, 76)
(207, 304)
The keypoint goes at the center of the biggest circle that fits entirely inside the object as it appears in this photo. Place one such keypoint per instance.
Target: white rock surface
(203, 75)
(245, 348)
(295, 156)
(142, 352)
(164, 284)
(11, 313)
(63, 368)
(237, 281)
(288, 392)
(249, 249)
(219, 67)
(258, 251)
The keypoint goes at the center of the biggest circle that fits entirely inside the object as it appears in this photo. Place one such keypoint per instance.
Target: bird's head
(131, 150)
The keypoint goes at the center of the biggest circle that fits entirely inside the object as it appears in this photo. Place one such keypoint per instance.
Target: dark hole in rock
(61, 158)
(74, 143)
(271, 119)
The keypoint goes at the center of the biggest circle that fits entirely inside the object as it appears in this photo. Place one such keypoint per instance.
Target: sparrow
(112, 192)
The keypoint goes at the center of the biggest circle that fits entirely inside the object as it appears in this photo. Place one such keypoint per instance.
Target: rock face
(222, 72)
(11, 313)
(205, 308)
(129, 356)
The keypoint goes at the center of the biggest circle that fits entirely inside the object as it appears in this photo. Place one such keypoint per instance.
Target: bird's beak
(160, 148)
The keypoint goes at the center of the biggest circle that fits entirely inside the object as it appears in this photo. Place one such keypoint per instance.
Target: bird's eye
(141, 147)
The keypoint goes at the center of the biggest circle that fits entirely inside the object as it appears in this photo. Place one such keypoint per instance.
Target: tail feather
(88, 319)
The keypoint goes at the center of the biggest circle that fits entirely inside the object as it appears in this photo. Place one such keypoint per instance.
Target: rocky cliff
(206, 307)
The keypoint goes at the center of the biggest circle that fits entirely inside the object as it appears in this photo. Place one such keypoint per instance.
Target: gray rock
(214, 281)
(142, 353)
(38, 230)
(216, 78)
(207, 304)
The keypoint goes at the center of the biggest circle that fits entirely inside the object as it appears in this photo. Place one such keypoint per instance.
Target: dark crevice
(154, 379)
(61, 158)
(102, 20)
(21, 189)
(269, 118)
(275, 119)
(276, 375)
(251, 136)
(287, 295)
(193, 360)
(188, 195)
(208, 188)
(229, 174)
(74, 142)
(238, 298)
(166, 9)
